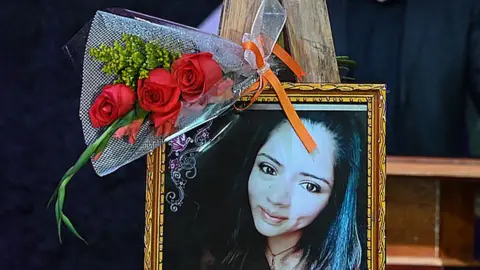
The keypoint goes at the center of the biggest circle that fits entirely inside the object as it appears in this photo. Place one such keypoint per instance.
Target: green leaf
(59, 193)
(139, 112)
(347, 62)
(127, 119)
(101, 147)
(59, 205)
(82, 160)
(348, 78)
(72, 228)
(59, 221)
(53, 197)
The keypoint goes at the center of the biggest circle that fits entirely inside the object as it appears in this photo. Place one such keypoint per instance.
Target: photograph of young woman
(268, 204)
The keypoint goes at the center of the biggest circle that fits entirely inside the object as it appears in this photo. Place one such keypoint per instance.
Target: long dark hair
(332, 241)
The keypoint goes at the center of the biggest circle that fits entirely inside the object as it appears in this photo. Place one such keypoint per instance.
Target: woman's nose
(280, 194)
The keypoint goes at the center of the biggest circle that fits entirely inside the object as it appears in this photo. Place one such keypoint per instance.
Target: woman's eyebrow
(271, 158)
(318, 178)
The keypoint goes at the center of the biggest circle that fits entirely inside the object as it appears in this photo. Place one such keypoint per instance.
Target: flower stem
(59, 193)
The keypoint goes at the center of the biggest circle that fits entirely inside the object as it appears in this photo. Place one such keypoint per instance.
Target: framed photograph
(242, 192)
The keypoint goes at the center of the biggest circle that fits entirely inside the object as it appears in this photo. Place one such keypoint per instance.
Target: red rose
(220, 92)
(160, 95)
(114, 102)
(166, 128)
(195, 74)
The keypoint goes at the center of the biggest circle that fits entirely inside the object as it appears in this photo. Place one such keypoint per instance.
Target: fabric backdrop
(41, 137)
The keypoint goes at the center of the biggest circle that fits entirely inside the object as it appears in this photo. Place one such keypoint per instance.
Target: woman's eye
(267, 169)
(313, 188)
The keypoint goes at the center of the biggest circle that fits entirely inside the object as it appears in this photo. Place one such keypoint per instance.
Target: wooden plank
(412, 249)
(309, 39)
(413, 267)
(415, 262)
(434, 167)
(457, 221)
(412, 217)
(237, 18)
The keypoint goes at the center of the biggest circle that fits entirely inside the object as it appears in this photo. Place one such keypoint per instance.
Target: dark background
(41, 137)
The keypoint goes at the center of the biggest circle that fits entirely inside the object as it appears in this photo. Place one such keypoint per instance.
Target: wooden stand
(430, 212)
(307, 34)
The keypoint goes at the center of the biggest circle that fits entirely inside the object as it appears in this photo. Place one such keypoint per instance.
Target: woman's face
(287, 186)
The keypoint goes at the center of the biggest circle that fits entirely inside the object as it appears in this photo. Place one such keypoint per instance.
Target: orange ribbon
(266, 74)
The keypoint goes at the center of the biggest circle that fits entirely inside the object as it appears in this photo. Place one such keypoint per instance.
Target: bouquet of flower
(146, 80)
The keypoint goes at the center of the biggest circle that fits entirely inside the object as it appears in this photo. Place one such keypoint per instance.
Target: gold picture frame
(371, 95)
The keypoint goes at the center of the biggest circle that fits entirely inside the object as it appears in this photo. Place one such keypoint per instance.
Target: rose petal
(221, 91)
(130, 130)
(211, 69)
(174, 100)
(160, 76)
(191, 98)
(199, 105)
(159, 118)
(199, 76)
(221, 87)
(166, 128)
(123, 131)
(139, 84)
(188, 77)
(177, 64)
(163, 80)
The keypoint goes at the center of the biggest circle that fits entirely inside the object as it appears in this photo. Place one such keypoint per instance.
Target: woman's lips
(271, 218)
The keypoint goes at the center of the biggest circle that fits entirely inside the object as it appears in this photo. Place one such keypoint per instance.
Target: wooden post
(309, 38)
(308, 34)
(237, 18)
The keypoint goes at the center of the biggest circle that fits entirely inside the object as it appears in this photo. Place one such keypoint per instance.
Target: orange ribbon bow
(266, 74)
